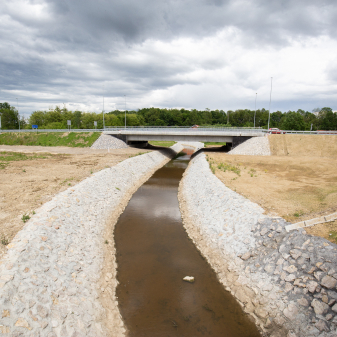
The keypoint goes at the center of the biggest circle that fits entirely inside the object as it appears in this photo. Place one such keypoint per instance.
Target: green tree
(9, 117)
(293, 121)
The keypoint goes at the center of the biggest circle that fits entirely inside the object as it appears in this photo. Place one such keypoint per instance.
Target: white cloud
(214, 54)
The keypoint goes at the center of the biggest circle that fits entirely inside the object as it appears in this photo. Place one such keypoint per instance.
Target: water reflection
(154, 254)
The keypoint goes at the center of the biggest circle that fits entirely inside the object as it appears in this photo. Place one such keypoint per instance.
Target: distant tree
(76, 119)
(328, 119)
(9, 117)
(293, 121)
(275, 119)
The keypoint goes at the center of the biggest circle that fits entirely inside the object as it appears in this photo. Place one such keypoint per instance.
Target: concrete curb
(312, 222)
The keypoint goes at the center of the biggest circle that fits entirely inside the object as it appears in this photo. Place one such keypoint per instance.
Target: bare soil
(27, 184)
(298, 182)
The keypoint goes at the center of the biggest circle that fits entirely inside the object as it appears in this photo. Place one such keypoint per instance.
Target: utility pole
(255, 110)
(271, 88)
(17, 101)
(125, 111)
(103, 112)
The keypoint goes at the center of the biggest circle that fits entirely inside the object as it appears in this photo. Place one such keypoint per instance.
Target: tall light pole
(17, 101)
(271, 88)
(103, 109)
(255, 110)
(125, 111)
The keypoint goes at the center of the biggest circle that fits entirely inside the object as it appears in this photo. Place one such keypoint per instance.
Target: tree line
(319, 119)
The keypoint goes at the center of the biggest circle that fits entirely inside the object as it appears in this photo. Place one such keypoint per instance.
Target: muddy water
(154, 253)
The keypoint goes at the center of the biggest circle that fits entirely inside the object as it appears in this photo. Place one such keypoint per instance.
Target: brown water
(154, 253)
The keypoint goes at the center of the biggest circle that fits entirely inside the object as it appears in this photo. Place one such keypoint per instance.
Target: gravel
(108, 142)
(255, 146)
(51, 277)
(283, 280)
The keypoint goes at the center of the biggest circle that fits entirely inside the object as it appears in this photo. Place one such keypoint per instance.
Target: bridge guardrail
(319, 132)
(175, 129)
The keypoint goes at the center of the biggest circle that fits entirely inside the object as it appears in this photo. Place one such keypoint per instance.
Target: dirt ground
(42, 172)
(298, 182)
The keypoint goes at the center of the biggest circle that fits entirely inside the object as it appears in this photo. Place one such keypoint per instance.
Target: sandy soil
(27, 184)
(298, 182)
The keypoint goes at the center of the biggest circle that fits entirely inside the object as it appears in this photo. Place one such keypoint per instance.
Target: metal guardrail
(320, 132)
(174, 129)
(53, 130)
(181, 129)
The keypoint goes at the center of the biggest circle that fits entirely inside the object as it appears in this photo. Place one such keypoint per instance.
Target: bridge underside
(176, 138)
(139, 138)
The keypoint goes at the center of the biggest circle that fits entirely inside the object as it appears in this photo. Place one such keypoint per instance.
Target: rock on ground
(283, 280)
(255, 146)
(108, 142)
(51, 279)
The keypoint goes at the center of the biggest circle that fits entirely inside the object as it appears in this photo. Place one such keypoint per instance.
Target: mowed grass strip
(7, 157)
(207, 144)
(70, 139)
(162, 143)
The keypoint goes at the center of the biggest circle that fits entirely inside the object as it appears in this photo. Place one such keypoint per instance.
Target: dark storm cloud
(53, 45)
(136, 21)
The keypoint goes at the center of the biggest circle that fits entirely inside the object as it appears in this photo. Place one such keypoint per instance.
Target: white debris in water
(189, 279)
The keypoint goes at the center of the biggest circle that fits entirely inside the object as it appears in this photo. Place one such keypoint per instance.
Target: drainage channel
(154, 254)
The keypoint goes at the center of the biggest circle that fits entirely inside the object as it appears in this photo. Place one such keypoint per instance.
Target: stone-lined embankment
(285, 281)
(59, 275)
(108, 142)
(255, 146)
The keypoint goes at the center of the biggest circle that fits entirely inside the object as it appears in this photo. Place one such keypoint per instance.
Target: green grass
(333, 235)
(72, 139)
(25, 218)
(7, 157)
(214, 143)
(162, 143)
(228, 167)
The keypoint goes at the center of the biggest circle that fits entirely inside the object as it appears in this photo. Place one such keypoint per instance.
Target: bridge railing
(180, 128)
(53, 130)
(319, 132)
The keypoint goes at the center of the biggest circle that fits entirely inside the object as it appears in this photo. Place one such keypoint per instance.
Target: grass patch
(70, 139)
(162, 143)
(228, 167)
(333, 236)
(138, 154)
(298, 214)
(180, 154)
(7, 157)
(4, 241)
(214, 143)
(25, 218)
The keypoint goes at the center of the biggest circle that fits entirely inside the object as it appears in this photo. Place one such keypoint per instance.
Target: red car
(276, 131)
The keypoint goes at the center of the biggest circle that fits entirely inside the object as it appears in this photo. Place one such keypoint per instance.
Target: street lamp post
(271, 88)
(103, 114)
(17, 101)
(125, 111)
(255, 110)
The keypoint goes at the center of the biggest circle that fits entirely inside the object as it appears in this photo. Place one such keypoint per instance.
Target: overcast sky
(199, 54)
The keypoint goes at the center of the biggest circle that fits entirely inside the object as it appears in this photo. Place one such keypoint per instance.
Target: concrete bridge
(138, 135)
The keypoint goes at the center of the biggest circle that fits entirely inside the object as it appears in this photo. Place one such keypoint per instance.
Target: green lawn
(214, 143)
(71, 139)
(160, 143)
